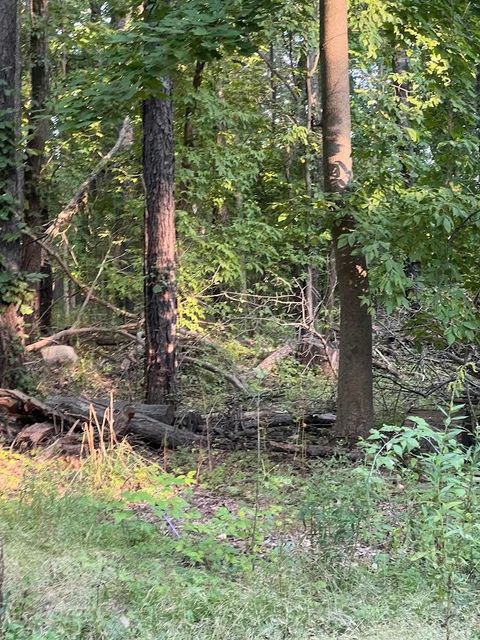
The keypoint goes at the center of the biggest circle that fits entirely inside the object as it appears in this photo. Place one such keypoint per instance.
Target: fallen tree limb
(124, 141)
(233, 379)
(268, 363)
(317, 451)
(243, 420)
(73, 331)
(155, 432)
(84, 288)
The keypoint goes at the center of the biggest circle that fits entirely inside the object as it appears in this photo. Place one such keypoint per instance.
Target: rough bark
(36, 213)
(11, 188)
(355, 395)
(160, 267)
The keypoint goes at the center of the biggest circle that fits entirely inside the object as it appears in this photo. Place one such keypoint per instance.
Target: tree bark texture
(355, 395)
(160, 267)
(11, 187)
(36, 214)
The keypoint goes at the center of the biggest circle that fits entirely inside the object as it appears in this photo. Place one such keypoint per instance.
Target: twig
(82, 286)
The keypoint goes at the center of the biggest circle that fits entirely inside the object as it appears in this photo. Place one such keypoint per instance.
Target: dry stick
(279, 75)
(124, 141)
(82, 286)
(73, 331)
(234, 380)
(92, 287)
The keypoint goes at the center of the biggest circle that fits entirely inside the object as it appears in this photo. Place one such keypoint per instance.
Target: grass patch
(315, 560)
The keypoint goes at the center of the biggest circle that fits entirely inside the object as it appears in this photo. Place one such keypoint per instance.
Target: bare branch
(124, 141)
(74, 331)
(83, 287)
(233, 379)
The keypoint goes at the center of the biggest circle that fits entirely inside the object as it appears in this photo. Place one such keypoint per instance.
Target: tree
(160, 244)
(38, 128)
(11, 285)
(355, 394)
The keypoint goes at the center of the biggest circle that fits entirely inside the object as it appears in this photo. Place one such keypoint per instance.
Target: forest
(239, 319)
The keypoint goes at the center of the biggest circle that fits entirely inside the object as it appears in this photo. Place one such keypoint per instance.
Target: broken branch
(124, 141)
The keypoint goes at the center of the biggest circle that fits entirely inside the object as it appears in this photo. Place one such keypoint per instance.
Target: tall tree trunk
(400, 68)
(188, 129)
(312, 167)
(11, 187)
(160, 268)
(36, 215)
(355, 395)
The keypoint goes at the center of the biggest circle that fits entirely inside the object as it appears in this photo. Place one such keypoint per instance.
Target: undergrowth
(119, 548)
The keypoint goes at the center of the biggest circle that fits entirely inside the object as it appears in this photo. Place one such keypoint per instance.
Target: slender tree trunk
(273, 86)
(355, 395)
(160, 268)
(188, 129)
(312, 166)
(400, 68)
(36, 215)
(11, 188)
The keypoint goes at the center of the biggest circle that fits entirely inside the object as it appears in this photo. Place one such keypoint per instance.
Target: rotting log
(68, 411)
(156, 432)
(317, 451)
(158, 426)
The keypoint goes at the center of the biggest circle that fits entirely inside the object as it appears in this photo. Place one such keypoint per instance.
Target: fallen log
(245, 420)
(317, 451)
(159, 426)
(71, 411)
(149, 429)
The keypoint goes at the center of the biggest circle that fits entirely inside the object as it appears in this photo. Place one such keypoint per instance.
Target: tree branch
(124, 141)
(279, 75)
(233, 379)
(74, 331)
(83, 287)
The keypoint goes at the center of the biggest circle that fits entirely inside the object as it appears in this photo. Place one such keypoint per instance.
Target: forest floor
(129, 544)
(239, 546)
